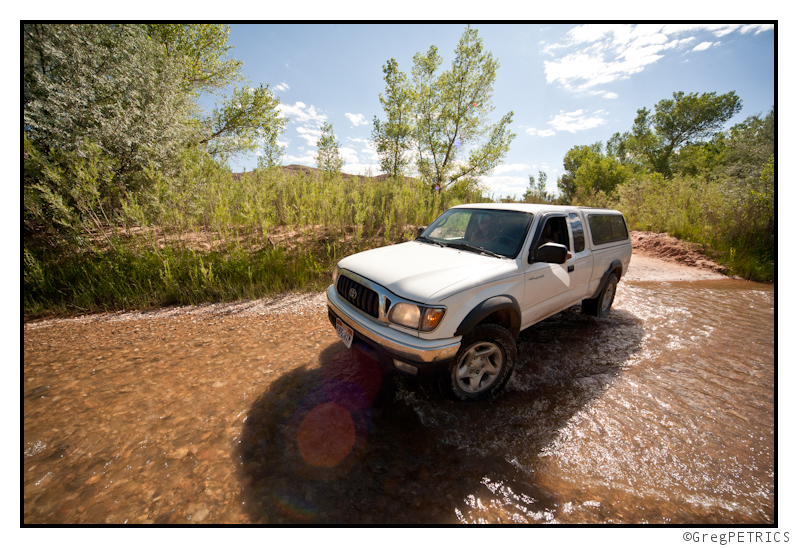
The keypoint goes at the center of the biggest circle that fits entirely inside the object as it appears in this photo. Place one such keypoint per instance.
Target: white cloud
(726, 30)
(361, 169)
(357, 119)
(371, 153)
(541, 132)
(604, 93)
(510, 167)
(509, 185)
(506, 185)
(299, 112)
(282, 87)
(595, 55)
(705, 45)
(309, 134)
(757, 28)
(348, 154)
(570, 121)
(308, 158)
(368, 149)
(575, 121)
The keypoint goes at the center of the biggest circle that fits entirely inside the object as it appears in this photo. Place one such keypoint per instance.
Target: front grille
(359, 295)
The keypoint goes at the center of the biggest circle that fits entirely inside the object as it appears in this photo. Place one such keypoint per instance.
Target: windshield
(494, 231)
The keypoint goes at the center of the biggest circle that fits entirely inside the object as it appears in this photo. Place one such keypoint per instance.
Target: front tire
(484, 363)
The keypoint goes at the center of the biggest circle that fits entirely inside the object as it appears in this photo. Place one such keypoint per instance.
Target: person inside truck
(551, 235)
(487, 229)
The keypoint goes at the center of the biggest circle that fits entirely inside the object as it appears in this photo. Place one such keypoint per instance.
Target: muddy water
(661, 413)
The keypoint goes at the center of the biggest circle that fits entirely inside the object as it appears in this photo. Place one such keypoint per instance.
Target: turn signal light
(432, 317)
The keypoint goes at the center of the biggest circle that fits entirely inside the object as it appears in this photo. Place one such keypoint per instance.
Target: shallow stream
(661, 413)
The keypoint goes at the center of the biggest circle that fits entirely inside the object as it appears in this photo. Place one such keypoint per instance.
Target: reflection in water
(661, 413)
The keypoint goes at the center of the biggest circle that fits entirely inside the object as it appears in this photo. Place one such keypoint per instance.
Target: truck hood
(416, 271)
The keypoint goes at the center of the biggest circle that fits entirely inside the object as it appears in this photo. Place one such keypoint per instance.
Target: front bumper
(421, 353)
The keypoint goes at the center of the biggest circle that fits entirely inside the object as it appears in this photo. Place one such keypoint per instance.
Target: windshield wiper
(429, 241)
(476, 249)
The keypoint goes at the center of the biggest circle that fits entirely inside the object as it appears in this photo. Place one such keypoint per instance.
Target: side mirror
(420, 230)
(551, 253)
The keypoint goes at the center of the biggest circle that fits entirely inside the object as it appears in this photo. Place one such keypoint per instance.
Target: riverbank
(662, 258)
(655, 258)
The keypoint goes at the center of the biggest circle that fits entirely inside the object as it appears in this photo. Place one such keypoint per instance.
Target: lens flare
(326, 435)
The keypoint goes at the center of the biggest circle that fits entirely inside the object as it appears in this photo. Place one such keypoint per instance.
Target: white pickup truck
(455, 299)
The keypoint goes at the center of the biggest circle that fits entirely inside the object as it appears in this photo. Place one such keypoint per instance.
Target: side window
(607, 228)
(619, 231)
(555, 230)
(578, 232)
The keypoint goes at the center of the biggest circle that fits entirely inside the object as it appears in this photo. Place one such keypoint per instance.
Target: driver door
(547, 287)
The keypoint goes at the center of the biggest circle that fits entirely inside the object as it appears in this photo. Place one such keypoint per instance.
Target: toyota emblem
(352, 293)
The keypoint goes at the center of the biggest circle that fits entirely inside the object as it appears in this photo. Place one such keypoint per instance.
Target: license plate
(345, 332)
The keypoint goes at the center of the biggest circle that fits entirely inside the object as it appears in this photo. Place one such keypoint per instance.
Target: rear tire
(483, 364)
(601, 305)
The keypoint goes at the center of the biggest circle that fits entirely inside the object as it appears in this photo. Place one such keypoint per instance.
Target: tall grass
(206, 195)
(734, 229)
(204, 235)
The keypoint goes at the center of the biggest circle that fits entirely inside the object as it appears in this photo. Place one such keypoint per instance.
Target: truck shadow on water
(343, 442)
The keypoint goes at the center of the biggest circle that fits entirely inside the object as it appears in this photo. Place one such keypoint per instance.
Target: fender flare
(491, 306)
(614, 265)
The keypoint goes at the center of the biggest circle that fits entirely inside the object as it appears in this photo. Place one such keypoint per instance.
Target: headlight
(416, 317)
(335, 274)
(405, 314)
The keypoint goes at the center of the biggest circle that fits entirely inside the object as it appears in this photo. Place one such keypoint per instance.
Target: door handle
(570, 268)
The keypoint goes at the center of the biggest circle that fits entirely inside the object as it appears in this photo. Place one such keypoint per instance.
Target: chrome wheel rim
(479, 367)
(609, 294)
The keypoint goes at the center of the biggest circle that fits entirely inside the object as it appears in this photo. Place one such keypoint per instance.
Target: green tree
(700, 159)
(125, 95)
(392, 138)
(272, 152)
(328, 157)
(685, 119)
(749, 145)
(749, 171)
(202, 51)
(243, 120)
(451, 114)
(574, 158)
(536, 192)
(247, 117)
(764, 196)
(600, 173)
(104, 84)
(95, 95)
(588, 171)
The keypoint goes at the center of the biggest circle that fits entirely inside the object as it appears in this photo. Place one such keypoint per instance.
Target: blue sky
(567, 84)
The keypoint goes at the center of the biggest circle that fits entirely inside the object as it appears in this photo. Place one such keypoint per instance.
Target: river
(661, 413)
